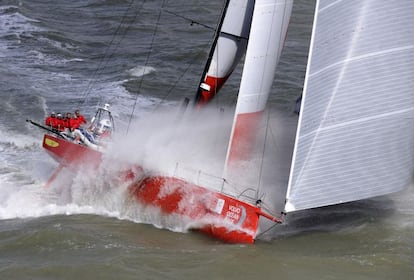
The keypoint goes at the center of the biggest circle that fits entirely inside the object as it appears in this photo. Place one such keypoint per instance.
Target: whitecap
(140, 71)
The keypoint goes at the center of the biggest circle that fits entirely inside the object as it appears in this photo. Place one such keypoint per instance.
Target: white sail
(267, 36)
(230, 47)
(356, 130)
(232, 41)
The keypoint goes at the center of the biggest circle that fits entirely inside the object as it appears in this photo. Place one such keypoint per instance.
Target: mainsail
(356, 130)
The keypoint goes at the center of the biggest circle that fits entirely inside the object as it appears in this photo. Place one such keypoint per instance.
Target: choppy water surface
(58, 55)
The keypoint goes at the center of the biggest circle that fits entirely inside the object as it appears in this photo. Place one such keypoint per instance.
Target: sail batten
(355, 137)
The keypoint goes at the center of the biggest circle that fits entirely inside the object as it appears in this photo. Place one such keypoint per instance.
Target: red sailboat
(260, 27)
(222, 215)
(346, 148)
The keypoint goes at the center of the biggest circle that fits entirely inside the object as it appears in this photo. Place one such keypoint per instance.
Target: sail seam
(361, 57)
(360, 120)
(330, 5)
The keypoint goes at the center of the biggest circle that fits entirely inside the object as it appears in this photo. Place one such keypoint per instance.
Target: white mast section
(267, 36)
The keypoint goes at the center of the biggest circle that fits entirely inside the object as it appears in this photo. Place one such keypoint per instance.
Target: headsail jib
(227, 48)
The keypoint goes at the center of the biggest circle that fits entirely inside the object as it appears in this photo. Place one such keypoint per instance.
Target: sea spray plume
(104, 191)
(158, 142)
(167, 142)
(198, 143)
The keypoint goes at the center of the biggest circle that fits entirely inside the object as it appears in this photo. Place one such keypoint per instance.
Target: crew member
(74, 123)
(67, 121)
(52, 121)
(60, 122)
(81, 119)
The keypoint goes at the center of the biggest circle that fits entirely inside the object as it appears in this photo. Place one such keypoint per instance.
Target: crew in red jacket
(80, 118)
(52, 121)
(60, 122)
(66, 121)
(74, 123)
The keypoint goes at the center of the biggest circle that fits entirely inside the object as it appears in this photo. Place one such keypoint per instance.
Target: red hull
(70, 154)
(216, 214)
(213, 213)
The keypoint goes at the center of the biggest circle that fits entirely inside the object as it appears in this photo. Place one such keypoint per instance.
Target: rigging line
(274, 140)
(109, 55)
(263, 153)
(145, 66)
(268, 112)
(191, 20)
(191, 155)
(265, 231)
(179, 79)
(87, 91)
(281, 217)
(218, 63)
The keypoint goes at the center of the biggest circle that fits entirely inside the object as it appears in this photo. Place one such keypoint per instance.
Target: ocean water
(143, 59)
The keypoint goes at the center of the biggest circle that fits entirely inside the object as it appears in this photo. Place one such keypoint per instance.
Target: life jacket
(63, 124)
(52, 122)
(81, 119)
(73, 124)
